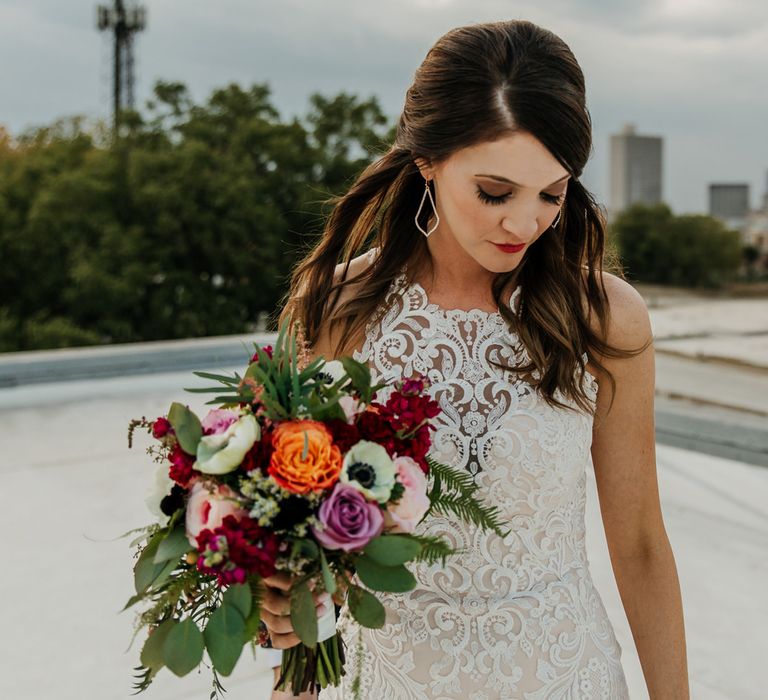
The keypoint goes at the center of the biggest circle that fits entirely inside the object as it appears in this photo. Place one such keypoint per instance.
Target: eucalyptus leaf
(224, 638)
(366, 608)
(145, 570)
(183, 647)
(393, 579)
(329, 582)
(152, 651)
(391, 550)
(303, 614)
(164, 573)
(238, 595)
(187, 427)
(359, 373)
(173, 546)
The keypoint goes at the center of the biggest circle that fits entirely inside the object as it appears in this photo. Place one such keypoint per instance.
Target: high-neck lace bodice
(517, 617)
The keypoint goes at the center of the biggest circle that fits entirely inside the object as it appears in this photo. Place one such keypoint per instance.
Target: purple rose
(349, 521)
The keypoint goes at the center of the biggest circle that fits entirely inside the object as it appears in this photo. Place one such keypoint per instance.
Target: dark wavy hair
(478, 83)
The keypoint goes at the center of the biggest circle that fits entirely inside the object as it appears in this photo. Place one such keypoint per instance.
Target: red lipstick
(510, 248)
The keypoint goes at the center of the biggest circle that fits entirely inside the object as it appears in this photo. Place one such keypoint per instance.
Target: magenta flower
(348, 520)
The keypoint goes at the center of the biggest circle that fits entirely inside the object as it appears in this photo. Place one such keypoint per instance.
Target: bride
(470, 252)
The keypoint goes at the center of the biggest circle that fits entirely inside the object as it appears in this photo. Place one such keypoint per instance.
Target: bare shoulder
(326, 340)
(629, 323)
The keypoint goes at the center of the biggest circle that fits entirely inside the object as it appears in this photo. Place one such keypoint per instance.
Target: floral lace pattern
(514, 617)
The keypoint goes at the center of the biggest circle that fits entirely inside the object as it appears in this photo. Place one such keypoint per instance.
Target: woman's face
(497, 193)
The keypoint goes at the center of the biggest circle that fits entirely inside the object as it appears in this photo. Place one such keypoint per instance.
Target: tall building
(635, 170)
(755, 231)
(729, 202)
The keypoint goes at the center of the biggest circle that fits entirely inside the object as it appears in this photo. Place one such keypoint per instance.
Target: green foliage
(391, 550)
(287, 391)
(224, 637)
(454, 492)
(393, 579)
(185, 226)
(690, 250)
(366, 607)
(303, 616)
(173, 546)
(187, 427)
(183, 647)
(433, 549)
(152, 651)
(240, 597)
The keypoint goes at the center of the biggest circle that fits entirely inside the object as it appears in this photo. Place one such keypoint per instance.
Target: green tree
(187, 225)
(689, 250)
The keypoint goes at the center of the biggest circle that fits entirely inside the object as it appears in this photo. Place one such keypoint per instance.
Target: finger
(284, 641)
(280, 624)
(276, 602)
(280, 580)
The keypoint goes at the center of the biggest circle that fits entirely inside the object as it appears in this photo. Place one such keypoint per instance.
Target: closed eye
(555, 200)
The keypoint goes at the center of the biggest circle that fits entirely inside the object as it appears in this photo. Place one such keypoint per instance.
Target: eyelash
(483, 196)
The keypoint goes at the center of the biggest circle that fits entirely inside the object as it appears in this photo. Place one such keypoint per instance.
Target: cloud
(690, 70)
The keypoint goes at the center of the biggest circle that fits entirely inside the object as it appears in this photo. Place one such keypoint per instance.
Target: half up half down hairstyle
(478, 83)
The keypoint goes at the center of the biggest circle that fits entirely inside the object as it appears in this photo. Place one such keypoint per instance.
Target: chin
(501, 266)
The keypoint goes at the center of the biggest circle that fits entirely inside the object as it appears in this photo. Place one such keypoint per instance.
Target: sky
(692, 71)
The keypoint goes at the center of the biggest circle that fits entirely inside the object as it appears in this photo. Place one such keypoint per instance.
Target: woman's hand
(276, 609)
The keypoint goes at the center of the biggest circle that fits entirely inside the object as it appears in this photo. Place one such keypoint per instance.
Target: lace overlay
(517, 617)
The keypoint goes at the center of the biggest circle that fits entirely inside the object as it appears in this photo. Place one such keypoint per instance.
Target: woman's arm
(624, 458)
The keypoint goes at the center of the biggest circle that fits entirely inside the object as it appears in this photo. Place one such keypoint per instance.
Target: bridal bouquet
(298, 470)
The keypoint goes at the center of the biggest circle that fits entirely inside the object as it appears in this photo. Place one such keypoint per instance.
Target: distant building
(635, 170)
(730, 204)
(755, 231)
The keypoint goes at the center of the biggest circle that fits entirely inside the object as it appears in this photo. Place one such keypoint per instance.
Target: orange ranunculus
(320, 468)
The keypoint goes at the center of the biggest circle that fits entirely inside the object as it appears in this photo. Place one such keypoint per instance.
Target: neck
(453, 276)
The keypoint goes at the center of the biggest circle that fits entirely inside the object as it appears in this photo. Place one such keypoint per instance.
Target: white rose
(223, 453)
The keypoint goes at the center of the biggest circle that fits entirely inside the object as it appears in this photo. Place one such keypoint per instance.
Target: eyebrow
(511, 182)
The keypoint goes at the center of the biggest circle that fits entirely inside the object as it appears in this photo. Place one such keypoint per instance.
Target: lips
(507, 248)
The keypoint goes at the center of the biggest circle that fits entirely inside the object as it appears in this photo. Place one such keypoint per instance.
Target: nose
(522, 226)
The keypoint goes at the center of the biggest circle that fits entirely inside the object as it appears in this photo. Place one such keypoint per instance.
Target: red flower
(236, 548)
(181, 470)
(161, 427)
(375, 426)
(344, 434)
(408, 411)
(259, 455)
(267, 349)
(418, 447)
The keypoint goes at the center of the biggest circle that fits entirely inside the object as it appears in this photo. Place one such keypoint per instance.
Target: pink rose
(348, 520)
(207, 506)
(218, 420)
(404, 515)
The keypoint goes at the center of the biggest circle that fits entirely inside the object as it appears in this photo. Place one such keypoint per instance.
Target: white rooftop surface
(70, 486)
(726, 329)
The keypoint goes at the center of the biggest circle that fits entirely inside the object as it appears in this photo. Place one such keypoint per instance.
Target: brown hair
(477, 83)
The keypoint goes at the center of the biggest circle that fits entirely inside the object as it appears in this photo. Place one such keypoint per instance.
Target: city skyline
(681, 70)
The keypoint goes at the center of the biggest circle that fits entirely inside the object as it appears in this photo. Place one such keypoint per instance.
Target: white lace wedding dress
(517, 617)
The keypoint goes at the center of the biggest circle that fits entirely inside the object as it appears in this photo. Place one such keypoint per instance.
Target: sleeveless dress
(508, 618)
